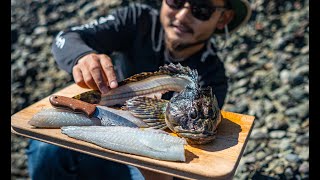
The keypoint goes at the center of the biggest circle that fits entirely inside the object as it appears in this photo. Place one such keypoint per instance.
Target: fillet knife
(107, 115)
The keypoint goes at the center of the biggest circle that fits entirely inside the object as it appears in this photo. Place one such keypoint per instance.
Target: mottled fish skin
(151, 143)
(194, 114)
(56, 118)
(169, 78)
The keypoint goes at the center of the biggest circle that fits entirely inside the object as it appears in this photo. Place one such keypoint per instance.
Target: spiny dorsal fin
(150, 110)
(179, 70)
(171, 69)
(139, 77)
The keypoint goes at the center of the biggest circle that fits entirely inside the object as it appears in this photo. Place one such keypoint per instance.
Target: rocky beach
(267, 62)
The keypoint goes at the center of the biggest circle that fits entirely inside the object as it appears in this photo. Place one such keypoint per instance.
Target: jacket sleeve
(103, 35)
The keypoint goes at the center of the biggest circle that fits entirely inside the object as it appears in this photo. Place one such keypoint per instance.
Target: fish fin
(217, 110)
(158, 125)
(179, 70)
(93, 96)
(140, 76)
(149, 110)
(171, 69)
(163, 127)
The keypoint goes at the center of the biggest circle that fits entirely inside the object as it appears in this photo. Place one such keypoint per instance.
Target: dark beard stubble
(178, 46)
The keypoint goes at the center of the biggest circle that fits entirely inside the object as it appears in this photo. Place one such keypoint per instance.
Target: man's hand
(95, 71)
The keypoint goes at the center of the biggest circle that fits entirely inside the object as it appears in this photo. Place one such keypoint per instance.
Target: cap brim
(242, 14)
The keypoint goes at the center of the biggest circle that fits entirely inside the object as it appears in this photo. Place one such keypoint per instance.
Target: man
(145, 40)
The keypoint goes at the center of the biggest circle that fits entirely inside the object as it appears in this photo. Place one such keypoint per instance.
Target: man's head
(189, 23)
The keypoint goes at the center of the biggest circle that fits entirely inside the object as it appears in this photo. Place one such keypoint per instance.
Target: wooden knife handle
(72, 104)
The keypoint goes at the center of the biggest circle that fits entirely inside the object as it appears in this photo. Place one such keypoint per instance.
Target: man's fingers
(85, 67)
(78, 78)
(95, 72)
(112, 79)
(88, 79)
(98, 77)
(108, 69)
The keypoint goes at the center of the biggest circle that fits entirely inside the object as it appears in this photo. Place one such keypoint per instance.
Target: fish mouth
(196, 136)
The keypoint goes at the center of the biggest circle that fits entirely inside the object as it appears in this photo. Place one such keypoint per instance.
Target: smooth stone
(277, 134)
(292, 158)
(304, 167)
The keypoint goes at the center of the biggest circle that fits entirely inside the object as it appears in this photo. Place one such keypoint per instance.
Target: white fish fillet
(56, 118)
(152, 143)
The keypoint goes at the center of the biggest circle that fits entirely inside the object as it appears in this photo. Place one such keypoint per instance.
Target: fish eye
(193, 113)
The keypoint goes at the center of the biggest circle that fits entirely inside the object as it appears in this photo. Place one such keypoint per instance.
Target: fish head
(194, 114)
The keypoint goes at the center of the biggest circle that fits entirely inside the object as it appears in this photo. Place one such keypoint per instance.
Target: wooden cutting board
(217, 160)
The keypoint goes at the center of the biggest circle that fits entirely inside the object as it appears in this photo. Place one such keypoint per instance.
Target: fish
(150, 84)
(152, 143)
(59, 117)
(193, 113)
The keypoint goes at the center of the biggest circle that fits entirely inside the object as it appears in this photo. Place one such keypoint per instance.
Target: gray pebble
(260, 155)
(259, 134)
(285, 144)
(292, 157)
(303, 140)
(304, 167)
(277, 134)
(289, 173)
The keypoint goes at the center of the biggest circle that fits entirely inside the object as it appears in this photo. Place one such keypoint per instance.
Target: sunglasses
(202, 11)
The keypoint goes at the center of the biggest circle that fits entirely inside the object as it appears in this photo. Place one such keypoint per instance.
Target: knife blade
(108, 116)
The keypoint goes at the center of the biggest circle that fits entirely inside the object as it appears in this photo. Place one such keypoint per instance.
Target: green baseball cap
(242, 14)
